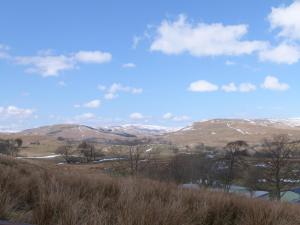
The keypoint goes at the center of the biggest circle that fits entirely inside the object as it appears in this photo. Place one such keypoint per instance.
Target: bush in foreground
(47, 196)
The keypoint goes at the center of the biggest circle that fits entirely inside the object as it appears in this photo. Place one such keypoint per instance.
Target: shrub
(44, 195)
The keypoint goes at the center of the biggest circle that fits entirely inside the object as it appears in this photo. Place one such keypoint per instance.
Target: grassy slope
(44, 195)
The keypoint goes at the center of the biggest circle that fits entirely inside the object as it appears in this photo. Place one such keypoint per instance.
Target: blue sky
(149, 62)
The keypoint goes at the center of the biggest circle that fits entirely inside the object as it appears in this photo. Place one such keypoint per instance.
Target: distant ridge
(214, 132)
(217, 132)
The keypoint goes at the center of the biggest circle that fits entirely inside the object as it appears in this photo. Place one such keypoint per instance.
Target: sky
(167, 63)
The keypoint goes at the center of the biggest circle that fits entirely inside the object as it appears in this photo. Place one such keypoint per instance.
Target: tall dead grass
(37, 195)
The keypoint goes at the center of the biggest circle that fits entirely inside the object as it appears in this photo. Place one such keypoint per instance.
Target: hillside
(218, 132)
(75, 132)
(141, 129)
(45, 140)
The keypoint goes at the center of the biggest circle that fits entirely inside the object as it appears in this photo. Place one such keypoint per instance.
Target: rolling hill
(218, 132)
(215, 132)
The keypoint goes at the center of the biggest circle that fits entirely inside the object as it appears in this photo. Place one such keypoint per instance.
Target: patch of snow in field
(190, 186)
(109, 160)
(213, 133)
(263, 165)
(290, 181)
(149, 150)
(210, 156)
(40, 157)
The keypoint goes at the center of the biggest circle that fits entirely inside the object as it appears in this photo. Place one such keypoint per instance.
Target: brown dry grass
(46, 196)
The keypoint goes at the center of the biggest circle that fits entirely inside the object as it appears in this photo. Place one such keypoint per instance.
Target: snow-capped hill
(218, 132)
(141, 129)
(83, 132)
(75, 132)
(214, 132)
(293, 122)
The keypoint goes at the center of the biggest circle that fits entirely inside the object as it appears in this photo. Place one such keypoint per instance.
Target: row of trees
(10, 146)
(84, 149)
(275, 169)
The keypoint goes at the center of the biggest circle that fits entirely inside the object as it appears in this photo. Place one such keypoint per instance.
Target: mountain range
(214, 132)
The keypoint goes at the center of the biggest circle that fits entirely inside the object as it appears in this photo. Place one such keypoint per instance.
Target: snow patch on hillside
(237, 129)
(141, 128)
(188, 128)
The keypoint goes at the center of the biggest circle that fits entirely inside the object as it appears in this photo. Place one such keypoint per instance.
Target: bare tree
(134, 158)
(178, 168)
(9, 147)
(233, 155)
(87, 150)
(251, 178)
(4, 147)
(278, 169)
(65, 151)
(19, 142)
(193, 168)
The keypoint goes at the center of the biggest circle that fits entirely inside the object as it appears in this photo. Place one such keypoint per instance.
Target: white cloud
(128, 65)
(170, 116)
(62, 84)
(202, 86)
(77, 106)
(48, 64)
(84, 117)
(4, 47)
(181, 118)
(283, 53)
(272, 83)
(15, 112)
(112, 91)
(176, 37)
(93, 57)
(101, 87)
(110, 96)
(230, 63)
(135, 41)
(231, 87)
(4, 52)
(115, 88)
(93, 104)
(287, 19)
(205, 86)
(136, 90)
(136, 116)
(247, 87)
(243, 87)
